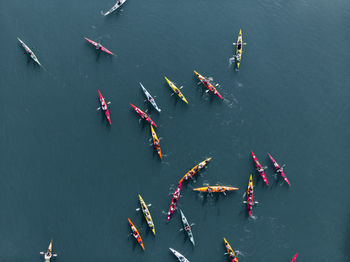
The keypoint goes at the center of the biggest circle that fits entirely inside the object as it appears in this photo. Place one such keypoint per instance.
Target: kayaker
(260, 170)
(209, 189)
(156, 143)
(98, 46)
(239, 46)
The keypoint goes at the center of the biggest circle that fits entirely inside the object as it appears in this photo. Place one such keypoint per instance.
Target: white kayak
(118, 4)
(180, 257)
(150, 98)
(29, 52)
(187, 227)
(48, 254)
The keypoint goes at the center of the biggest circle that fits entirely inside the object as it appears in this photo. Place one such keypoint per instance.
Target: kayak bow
(176, 90)
(295, 257)
(259, 169)
(207, 84)
(136, 234)
(104, 107)
(195, 170)
(156, 142)
(147, 215)
(97, 45)
(279, 169)
(143, 115)
(29, 52)
(115, 7)
(230, 251)
(179, 256)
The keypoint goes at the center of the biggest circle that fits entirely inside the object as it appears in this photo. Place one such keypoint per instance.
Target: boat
(230, 251)
(156, 142)
(279, 169)
(295, 257)
(136, 234)
(187, 227)
(147, 215)
(143, 115)
(214, 189)
(29, 52)
(250, 195)
(48, 254)
(104, 107)
(117, 5)
(239, 47)
(176, 90)
(150, 98)
(98, 46)
(174, 201)
(179, 256)
(195, 170)
(259, 168)
(207, 84)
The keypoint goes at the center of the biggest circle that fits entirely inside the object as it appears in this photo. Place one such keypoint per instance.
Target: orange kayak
(195, 170)
(210, 189)
(136, 234)
(230, 251)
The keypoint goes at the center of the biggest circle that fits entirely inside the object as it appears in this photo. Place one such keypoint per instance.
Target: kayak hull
(174, 201)
(176, 90)
(143, 115)
(106, 111)
(208, 85)
(230, 251)
(103, 49)
(214, 189)
(147, 215)
(195, 170)
(258, 166)
(279, 169)
(115, 7)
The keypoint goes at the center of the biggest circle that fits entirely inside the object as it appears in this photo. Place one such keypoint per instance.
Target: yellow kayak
(147, 215)
(239, 46)
(195, 170)
(230, 252)
(156, 142)
(210, 189)
(176, 90)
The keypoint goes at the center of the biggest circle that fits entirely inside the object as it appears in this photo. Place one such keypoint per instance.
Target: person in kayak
(209, 189)
(260, 170)
(156, 143)
(238, 57)
(104, 106)
(98, 46)
(239, 46)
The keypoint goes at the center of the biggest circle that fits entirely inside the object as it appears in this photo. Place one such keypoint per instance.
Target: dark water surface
(65, 174)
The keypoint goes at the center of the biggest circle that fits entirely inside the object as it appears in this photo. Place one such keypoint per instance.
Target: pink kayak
(295, 257)
(279, 169)
(104, 107)
(143, 115)
(174, 201)
(98, 46)
(259, 168)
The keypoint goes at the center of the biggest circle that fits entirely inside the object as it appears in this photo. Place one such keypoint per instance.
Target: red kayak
(104, 107)
(207, 84)
(174, 201)
(295, 257)
(260, 169)
(98, 46)
(279, 169)
(143, 115)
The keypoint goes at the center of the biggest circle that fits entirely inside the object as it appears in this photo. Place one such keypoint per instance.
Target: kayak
(295, 257)
(29, 51)
(239, 46)
(279, 169)
(212, 189)
(174, 201)
(250, 195)
(115, 7)
(150, 98)
(156, 142)
(143, 115)
(195, 170)
(230, 251)
(103, 102)
(136, 234)
(187, 227)
(101, 47)
(207, 84)
(147, 215)
(48, 254)
(259, 168)
(180, 257)
(176, 90)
